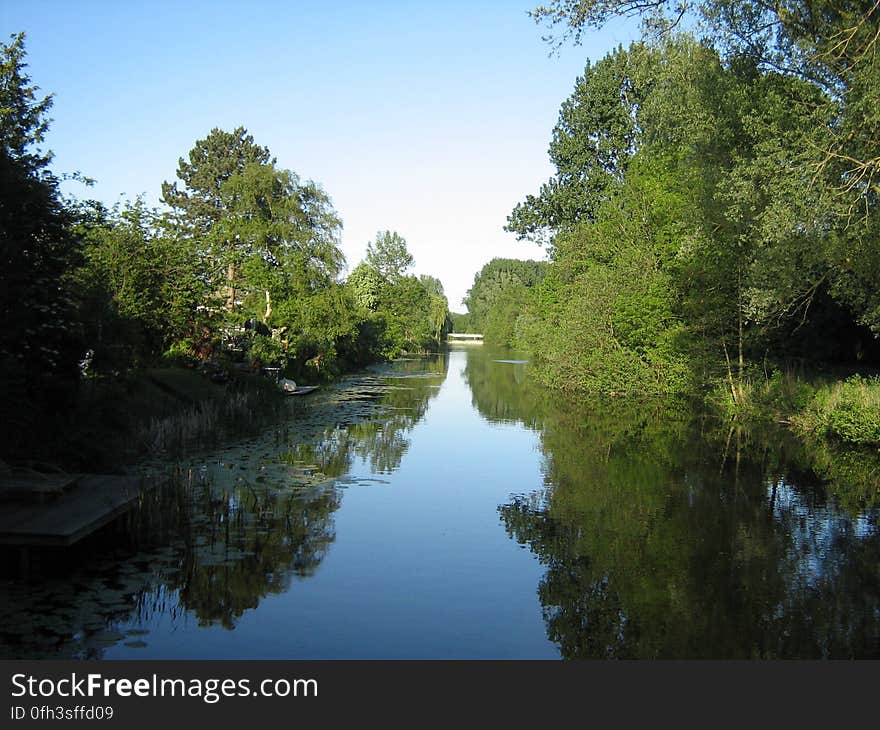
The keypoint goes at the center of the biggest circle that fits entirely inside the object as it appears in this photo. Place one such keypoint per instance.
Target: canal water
(449, 507)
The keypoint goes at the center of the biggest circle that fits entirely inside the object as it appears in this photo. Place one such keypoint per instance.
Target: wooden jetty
(57, 510)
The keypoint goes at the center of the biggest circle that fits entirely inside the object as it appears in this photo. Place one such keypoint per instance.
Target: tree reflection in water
(667, 534)
(228, 529)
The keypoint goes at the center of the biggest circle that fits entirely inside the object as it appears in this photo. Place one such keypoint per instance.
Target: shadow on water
(229, 527)
(664, 533)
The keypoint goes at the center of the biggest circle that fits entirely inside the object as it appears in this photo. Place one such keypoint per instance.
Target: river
(449, 507)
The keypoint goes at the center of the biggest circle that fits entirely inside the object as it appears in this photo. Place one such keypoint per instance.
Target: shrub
(848, 410)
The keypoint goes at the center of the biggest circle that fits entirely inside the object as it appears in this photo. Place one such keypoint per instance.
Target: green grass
(846, 410)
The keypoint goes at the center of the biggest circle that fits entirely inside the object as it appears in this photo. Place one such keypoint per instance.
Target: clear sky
(432, 119)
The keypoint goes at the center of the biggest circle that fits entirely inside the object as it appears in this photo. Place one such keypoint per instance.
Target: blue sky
(432, 119)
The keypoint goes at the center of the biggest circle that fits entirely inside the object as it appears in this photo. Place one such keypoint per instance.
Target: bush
(848, 410)
(762, 398)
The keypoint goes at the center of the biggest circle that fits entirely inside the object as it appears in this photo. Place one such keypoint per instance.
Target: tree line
(241, 264)
(714, 211)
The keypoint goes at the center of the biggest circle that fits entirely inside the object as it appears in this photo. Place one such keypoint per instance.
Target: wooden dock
(58, 511)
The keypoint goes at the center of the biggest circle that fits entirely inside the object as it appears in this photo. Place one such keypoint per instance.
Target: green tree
(39, 347)
(592, 143)
(23, 114)
(203, 202)
(441, 320)
(269, 239)
(405, 313)
(366, 284)
(141, 287)
(389, 255)
(490, 284)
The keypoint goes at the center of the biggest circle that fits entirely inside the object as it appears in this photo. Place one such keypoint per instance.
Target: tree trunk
(739, 312)
(230, 287)
(730, 374)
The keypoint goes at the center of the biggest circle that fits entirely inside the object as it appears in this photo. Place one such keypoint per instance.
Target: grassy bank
(163, 411)
(846, 410)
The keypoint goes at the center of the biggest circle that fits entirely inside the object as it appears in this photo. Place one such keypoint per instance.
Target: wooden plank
(95, 501)
(17, 485)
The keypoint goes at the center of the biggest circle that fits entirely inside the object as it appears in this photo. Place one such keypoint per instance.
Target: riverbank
(846, 410)
(148, 412)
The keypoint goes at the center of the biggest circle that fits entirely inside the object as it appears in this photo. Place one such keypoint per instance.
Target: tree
(388, 255)
(279, 238)
(829, 44)
(262, 233)
(441, 320)
(204, 201)
(592, 143)
(39, 349)
(141, 286)
(23, 115)
(491, 283)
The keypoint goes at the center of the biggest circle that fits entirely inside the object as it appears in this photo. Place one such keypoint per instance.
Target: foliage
(692, 229)
(388, 255)
(499, 295)
(39, 346)
(461, 322)
(848, 410)
(404, 313)
(23, 115)
(140, 286)
(244, 266)
(591, 146)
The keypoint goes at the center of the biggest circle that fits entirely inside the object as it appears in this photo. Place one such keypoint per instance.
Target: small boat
(289, 387)
(302, 390)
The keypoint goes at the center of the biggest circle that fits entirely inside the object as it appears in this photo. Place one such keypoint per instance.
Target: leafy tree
(388, 255)
(591, 145)
(39, 349)
(141, 286)
(405, 313)
(713, 245)
(269, 239)
(441, 321)
(366, 284)
(203, 201)
(285, 234)
(490, 284)
(831, 45)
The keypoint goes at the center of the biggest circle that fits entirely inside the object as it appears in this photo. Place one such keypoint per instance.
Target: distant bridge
(464, 336)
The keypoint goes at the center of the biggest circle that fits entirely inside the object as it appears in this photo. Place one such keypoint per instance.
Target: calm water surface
(450, 508)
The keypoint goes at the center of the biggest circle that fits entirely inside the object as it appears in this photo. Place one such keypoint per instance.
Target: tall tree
(38, 347)
(259, 228)
(203, 202)
(591, 146)
(23, 114)
(389, 255)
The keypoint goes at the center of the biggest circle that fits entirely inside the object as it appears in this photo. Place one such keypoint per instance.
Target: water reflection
(229, 529)
(665, 534)
(366, 525)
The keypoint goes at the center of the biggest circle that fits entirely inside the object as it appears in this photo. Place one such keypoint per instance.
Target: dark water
(450, 508)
